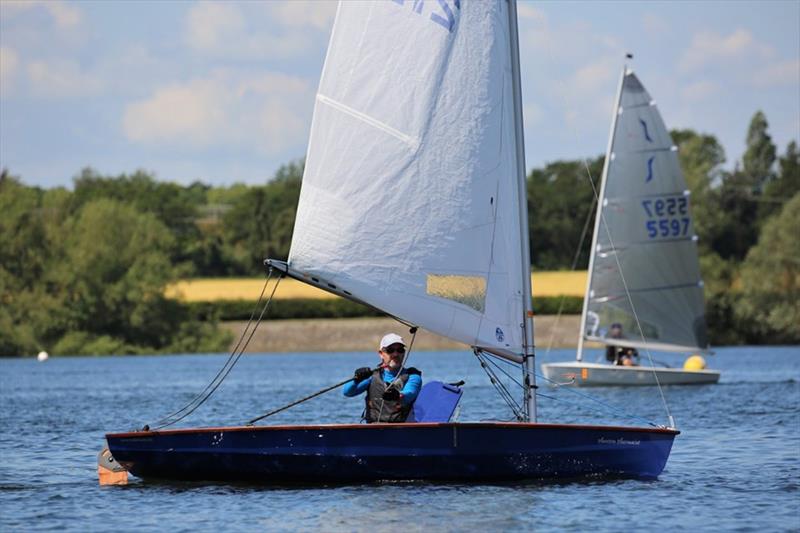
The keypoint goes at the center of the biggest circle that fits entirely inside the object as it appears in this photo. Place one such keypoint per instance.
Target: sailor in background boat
(618, 354)
(391, 389)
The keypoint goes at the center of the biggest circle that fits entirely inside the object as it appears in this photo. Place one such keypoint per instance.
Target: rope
(611, 408)
(499, 386)
(509, 376)
(301, 400)
(616, 410)
(233, 358)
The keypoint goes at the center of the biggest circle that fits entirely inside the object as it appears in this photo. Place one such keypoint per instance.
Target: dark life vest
(380, 410)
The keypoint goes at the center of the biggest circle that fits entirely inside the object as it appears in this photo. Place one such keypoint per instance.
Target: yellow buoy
(694, 362)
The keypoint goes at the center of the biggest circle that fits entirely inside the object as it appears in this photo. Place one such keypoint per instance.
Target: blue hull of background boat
(343, 453)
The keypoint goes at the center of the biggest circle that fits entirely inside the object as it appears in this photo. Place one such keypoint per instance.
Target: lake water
(736, 465)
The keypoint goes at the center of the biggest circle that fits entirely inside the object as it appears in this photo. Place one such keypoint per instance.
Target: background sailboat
(644, 274)
(413, 201)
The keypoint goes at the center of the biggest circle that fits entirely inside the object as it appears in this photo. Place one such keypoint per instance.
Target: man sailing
(391, 389)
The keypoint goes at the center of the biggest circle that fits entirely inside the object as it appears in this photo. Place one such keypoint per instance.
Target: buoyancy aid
(380, 410)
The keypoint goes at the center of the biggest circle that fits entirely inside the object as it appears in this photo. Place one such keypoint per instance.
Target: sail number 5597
(666, 217)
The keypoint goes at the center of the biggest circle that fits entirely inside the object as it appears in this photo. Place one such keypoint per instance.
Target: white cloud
(695, 92)
(532, 115)
(59, 79)
(570, 71)
(588, 93)
(64, 15)
(39, 37)
(567, 43)
(709, 47)
(781, 73)
(189, 113)
(210, 25)
(8, 67)
(589, 78)
(655, 25)
(526, 12)
(304, 13)
(267, 113)
(255, 31)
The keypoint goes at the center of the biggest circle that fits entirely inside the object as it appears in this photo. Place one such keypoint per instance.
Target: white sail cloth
(409, 199)
(646, 217)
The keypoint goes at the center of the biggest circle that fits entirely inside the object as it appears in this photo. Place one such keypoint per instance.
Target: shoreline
(363, 334)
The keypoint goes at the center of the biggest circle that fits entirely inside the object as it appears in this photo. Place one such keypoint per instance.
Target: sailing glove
(361, 374)
(391, 394)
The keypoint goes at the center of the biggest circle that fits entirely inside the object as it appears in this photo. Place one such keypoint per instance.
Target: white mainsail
(410, 198)
(646, 229)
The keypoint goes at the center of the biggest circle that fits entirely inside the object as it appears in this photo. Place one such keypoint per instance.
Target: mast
(599, 215)
(529, 370)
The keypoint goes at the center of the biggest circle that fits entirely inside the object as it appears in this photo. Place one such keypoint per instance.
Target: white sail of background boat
(414, 202)
(644, 273)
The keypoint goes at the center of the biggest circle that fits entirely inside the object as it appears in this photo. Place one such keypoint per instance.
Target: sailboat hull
(581, 374)
(351, 453)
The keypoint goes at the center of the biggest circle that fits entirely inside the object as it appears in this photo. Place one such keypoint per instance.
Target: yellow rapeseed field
(212, 289)
(559, 283)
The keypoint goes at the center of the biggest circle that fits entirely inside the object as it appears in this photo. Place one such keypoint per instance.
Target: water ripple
(736, 465)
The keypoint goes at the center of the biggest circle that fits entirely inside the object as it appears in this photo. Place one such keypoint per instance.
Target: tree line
(84, 270)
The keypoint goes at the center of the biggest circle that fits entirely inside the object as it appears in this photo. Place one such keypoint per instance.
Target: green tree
(783, 186)
(770, 280)
(259, 224)
(175, 206)
(30, 237)
(116, 267)
(560, 199)
(88, 282)
(737, 199)
(701, 158)
(759, 156)
(22, 233)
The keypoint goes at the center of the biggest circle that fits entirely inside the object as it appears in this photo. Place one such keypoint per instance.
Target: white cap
(391, 338)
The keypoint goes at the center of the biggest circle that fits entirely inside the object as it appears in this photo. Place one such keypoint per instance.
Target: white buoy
(43, 356)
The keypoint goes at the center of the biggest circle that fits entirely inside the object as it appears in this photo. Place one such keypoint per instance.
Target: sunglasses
(391, 351)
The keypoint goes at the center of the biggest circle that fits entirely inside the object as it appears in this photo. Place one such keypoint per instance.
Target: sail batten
(645, 273)
(409, 140)
(410, 198)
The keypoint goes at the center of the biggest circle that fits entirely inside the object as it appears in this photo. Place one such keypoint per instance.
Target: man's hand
(361, 374)
(391, 394)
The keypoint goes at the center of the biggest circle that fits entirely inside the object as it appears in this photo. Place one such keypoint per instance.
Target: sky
(223, 92)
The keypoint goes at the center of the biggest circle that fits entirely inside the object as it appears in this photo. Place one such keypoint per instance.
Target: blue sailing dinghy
(480, 451)
(414, 202)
